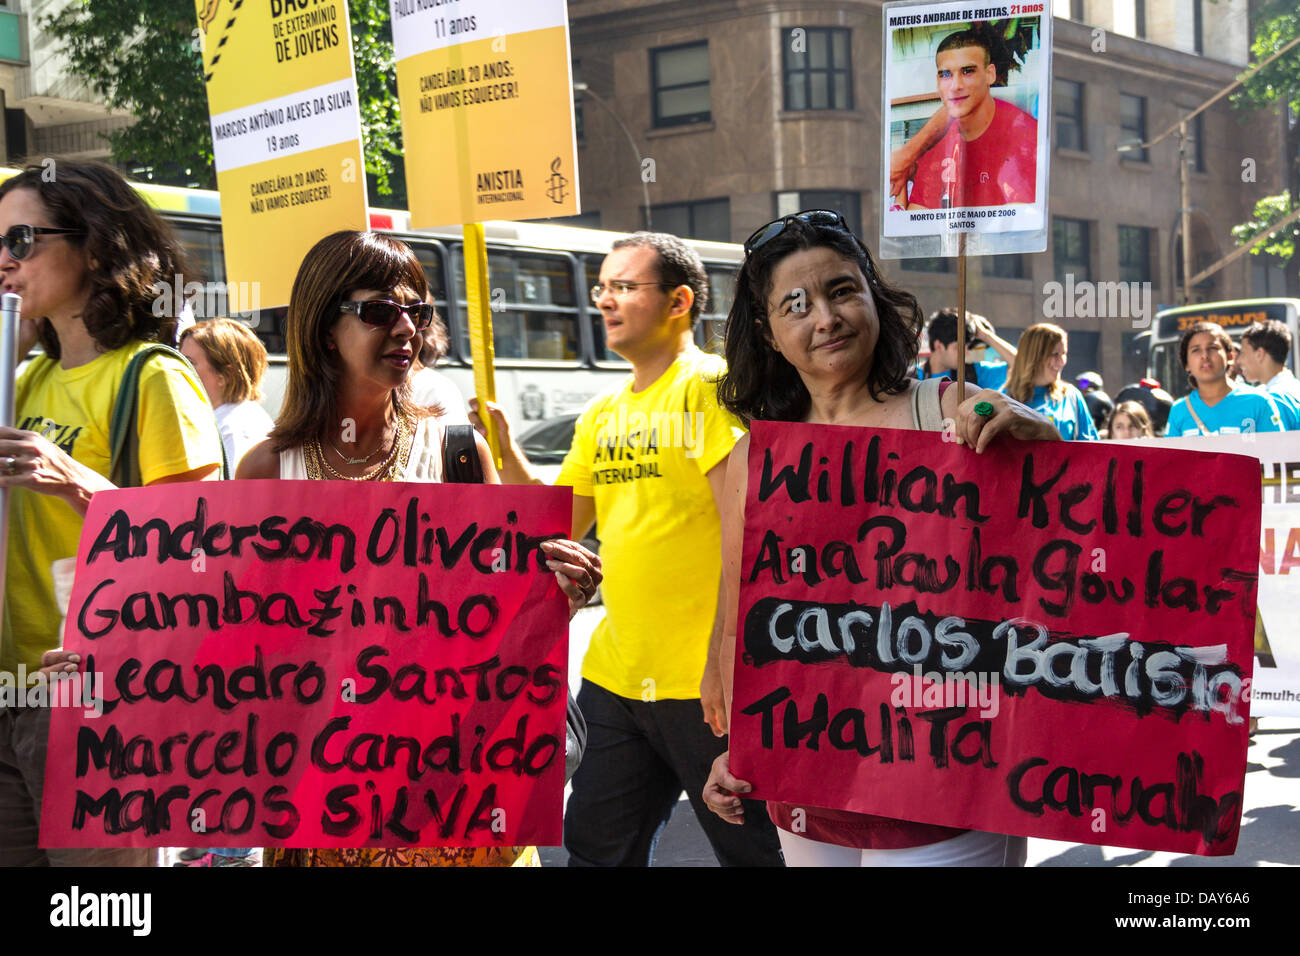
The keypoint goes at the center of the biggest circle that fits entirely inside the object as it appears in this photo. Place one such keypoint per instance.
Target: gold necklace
(354, 461)
(318, 467)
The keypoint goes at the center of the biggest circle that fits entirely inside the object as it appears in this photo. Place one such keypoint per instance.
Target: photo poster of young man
(967, 113)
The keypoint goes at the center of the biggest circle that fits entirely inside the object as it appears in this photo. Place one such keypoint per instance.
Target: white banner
(1276, 688)
(423, 25)
(325, 115)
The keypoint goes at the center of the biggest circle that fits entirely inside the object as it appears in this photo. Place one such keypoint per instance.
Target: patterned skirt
(413, 856)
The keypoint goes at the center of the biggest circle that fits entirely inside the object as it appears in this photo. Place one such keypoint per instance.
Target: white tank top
(425, 463)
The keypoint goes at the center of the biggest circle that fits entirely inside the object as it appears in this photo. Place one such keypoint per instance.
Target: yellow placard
(481, 346)
(286, 134)
(487, 111)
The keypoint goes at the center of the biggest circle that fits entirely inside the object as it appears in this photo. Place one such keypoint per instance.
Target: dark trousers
(640, 756)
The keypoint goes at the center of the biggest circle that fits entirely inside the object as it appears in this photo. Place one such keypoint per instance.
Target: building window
(847, 204)
(1134, 254)
(1140, 19)
(707, 219)
(936, 264)
(817, 69)
(1082, 355)
(1069, 114)
(1070, 252)
(1133, 125)
(1076, 10)
(1196, 143)
(1010, 266)
(679, 77)
(1198, 27)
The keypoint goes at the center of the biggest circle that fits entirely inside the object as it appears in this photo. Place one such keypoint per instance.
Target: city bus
(1235, 316)
(551, 357)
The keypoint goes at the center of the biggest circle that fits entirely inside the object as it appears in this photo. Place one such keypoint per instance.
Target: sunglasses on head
(20, 239)
(383, 314)
(812, 217)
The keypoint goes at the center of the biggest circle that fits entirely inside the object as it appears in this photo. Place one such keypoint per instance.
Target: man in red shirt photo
(988, 153)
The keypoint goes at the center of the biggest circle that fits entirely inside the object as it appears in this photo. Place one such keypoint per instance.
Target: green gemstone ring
(984, 408)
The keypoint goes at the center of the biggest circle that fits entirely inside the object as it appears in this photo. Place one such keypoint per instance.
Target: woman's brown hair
(1136, 414)
(338, 265)
(236, 354)
(1033, 349)
(135, 262)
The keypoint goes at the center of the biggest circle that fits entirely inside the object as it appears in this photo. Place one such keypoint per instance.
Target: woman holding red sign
(816, 335)
(357, 308)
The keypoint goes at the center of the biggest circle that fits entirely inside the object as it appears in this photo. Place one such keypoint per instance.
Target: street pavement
(1270, 823)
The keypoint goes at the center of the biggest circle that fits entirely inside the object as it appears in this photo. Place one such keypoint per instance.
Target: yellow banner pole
(482, 352)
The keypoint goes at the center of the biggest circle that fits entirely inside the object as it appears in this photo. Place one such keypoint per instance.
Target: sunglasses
(20, 239)
(811, 217)
(383, 314)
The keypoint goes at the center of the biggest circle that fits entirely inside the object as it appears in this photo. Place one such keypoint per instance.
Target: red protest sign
(315, 664)
(1049, 639)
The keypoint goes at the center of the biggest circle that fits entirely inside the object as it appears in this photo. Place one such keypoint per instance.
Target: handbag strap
(927, 404)
(460, 461)
(1197, 418)
(123, 426)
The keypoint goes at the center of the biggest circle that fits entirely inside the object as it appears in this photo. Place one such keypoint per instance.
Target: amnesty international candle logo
(558, 182)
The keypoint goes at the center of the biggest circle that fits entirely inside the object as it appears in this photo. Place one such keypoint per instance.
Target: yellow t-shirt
(72, 408)
(644, 457)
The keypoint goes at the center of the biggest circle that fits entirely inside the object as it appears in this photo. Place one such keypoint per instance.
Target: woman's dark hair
(135, 263)
(759, 383)
(1216, 333)
(335, 267)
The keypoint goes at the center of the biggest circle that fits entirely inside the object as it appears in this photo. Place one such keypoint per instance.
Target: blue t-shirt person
(1242, 410)
(1069, 413)
(1285, 392)
(986, 374)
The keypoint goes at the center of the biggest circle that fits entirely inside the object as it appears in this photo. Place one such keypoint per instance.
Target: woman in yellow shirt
(93, 265)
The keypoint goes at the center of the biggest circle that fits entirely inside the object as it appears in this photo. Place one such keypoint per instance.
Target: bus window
(430, 257)
(600, 351)
(1166, 369)
(534, 306)
(269, 326)
(713, 321)
(204, 250)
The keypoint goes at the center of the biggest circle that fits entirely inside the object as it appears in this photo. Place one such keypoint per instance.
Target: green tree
(1277, 23)
(143, 56)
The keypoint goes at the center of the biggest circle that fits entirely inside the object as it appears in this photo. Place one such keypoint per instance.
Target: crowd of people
(816, 334)
(1234, 389)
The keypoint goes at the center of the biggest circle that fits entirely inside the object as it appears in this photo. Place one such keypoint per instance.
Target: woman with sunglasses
(356, 312)
(94, 266)
(816, 335)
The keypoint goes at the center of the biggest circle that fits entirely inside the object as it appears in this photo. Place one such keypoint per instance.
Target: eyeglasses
(20, 239)
(619, 289)
(383, 314)
(812, 217)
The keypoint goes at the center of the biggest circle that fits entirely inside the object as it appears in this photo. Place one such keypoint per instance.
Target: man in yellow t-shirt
(647, 465)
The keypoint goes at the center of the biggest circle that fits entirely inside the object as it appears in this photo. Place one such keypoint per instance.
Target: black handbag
(461, 464)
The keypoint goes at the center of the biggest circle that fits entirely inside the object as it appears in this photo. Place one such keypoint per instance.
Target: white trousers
(975, 848)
